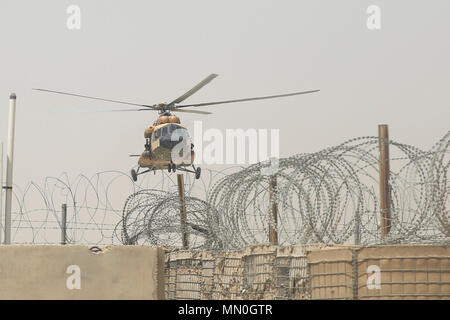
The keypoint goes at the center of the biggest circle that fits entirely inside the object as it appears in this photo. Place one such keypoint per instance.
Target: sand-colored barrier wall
(259, 272)
(331, 273)
(405, 272)
(254, 273)
(381, 272)
(78, 272)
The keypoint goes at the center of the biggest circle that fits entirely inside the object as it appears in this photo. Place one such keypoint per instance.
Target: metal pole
(63, 223)
(356, 230)
(9, 167)
(1, 191)
(273, 219)
(183, 215)
(385, 201)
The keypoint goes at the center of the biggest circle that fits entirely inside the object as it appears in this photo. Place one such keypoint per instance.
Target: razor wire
(332, 197)
(329, 197)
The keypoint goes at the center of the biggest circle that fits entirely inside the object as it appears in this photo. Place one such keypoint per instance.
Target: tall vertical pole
(183, 215)
(356, 229)
(385, 201)
(1, 191)
(63, 223)
(273, 218)
(9, 167)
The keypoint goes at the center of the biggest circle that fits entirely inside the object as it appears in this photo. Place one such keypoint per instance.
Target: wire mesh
(328, 197)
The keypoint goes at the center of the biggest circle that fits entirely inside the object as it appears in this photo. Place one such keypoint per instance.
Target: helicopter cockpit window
(157, 134)
(168, 130)
(179, 128)
(172, 128)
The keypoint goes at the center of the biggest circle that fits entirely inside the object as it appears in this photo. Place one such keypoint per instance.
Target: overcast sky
(153, 51)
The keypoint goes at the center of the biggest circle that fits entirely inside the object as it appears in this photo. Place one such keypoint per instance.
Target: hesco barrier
(330, 273)
(407, 272)
(258, 272)
(81, 272)
(311, 272)
(382, 272)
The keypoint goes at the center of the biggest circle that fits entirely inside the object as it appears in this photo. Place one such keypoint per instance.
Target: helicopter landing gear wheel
(198, 171)
(169, 167)
(134, 175)
(174, 167)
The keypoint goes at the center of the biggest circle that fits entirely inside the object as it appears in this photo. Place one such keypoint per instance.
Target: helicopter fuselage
(167, 144)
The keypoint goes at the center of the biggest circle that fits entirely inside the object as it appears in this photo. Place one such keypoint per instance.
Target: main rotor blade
(242, 100)
(187, 111)
(127, 110)
(192, 111)
(200, 85)
(95, 98)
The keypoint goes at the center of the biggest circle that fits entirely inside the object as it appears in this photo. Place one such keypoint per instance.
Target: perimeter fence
(328, 197)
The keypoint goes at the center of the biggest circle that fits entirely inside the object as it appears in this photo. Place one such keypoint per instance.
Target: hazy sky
(153, 51)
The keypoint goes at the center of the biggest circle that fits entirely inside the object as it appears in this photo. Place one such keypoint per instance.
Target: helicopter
(167, 142)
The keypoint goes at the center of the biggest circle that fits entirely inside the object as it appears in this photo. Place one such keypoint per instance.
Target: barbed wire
(331, 196)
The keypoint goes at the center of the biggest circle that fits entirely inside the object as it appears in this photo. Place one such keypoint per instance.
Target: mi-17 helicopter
(167, 142)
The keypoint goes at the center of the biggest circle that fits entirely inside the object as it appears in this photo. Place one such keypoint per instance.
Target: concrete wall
(76, 272)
